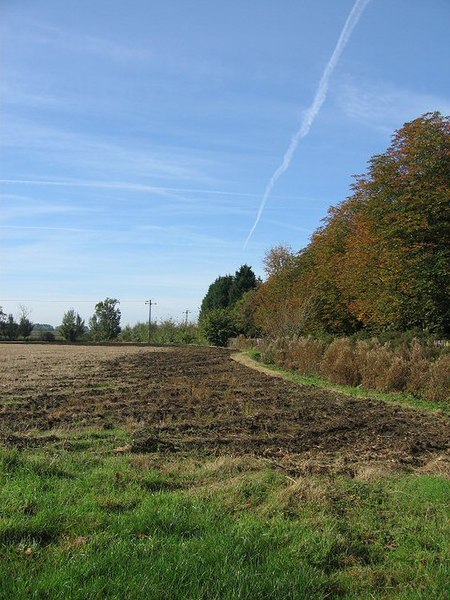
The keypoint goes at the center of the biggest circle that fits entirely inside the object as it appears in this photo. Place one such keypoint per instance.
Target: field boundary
(354, 392)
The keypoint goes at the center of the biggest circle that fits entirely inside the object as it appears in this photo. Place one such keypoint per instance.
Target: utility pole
(150, 304)
(186, 312)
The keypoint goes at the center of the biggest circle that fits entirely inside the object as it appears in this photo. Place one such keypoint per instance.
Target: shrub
(218, 326)
(418, 367)
(267, 353)
(281, 351)
(47, 336)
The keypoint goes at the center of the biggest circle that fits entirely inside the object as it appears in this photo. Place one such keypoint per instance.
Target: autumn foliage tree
(381, 260)
(399, 243)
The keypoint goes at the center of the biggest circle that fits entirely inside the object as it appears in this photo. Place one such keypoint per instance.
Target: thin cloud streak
(73, 229)
(76, 43)
(138, 187)
(383, 106)
(315, 107)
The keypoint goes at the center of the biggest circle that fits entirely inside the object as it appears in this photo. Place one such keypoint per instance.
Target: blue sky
(138, 138)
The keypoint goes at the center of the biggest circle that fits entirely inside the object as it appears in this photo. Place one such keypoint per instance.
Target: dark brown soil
(199, 399)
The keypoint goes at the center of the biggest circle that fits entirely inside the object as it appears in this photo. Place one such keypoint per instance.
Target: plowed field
(198, 399)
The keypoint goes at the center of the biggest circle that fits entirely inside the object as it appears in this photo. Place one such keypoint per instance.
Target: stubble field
(183, 399)
(132, 472)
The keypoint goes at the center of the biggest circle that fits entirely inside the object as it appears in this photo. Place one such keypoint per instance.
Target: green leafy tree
(244, 315)
(105, 322)
(2, 322)
(218, 326)
(11, 328)
(25, 326)
(72, 326)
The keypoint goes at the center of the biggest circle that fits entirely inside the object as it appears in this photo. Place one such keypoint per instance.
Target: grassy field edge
(358, 392)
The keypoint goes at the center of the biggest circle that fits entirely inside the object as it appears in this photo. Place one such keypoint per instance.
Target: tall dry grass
(438, 387)
(305, 354)
(418, 368)
(339, 363)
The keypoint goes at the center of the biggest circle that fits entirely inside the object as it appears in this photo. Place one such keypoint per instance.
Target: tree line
(380, 261)
(10, 329)
(104, 325)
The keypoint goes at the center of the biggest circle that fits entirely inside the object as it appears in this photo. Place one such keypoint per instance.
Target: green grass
(359, 392)
(89, 523)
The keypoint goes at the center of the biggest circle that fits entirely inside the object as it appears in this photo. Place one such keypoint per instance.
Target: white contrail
(315, 107)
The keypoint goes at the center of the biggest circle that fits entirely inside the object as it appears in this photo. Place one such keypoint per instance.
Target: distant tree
(218, 326)
(25, 325)
(105, 322)
(43, 327)
(72, 326)
(2, 322)
(11, 328)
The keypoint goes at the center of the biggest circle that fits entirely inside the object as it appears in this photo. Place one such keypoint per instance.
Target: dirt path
(245, 360)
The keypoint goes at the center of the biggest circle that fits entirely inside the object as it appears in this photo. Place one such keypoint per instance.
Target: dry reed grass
(339, 364)
(305, 355)
(439, 384)
(417, 368)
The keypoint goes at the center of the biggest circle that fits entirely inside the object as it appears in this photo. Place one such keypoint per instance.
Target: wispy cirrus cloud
(39, 227)
(186, 235)
(80, 43)
(138, 187)
(102, 153)
(15, 95)
(384, 106)
(20, 207)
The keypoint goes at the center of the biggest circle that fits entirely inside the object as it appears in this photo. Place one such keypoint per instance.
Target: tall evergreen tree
(244, 280)
(226, 290)
(72, 326)
(218, 295)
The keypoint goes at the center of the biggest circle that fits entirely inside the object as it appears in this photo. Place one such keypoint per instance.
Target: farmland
(191, 467)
